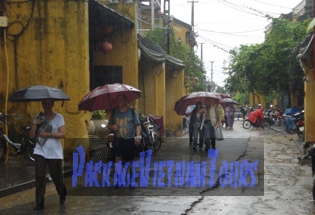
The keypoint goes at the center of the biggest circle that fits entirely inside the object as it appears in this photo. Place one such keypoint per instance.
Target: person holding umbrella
(211, 118)
(48, 130)
(127, 130)
(230, 112)
(195, 123)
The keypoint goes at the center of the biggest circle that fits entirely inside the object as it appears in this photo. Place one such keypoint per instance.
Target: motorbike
(299, 122)
(278, 118)
(252, 120)
(186, 120)
(292, 121)
(269, 117)
(150, 134)
(247, 124)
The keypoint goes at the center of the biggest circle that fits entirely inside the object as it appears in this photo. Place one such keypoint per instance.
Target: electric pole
(192, 13)
(201, 51)
(211, 74)
(167, 13)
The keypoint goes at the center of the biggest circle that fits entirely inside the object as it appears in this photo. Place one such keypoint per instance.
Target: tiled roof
(154, 53)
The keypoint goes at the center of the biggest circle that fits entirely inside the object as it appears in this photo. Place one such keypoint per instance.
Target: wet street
(275, 182)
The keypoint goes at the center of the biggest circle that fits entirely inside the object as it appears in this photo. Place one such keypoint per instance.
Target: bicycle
(26, 146)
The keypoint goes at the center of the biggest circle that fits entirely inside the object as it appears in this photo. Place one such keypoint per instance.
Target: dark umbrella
(191, 99)
(104, 97)
(37, 93)
(229, 101)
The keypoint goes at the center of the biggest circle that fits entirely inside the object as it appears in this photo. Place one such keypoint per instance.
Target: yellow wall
(254, 101)
(52, 50)
(174, 91)
(180, 31)
(309, 101)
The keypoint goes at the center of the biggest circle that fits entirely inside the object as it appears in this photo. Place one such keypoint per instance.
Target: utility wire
(240, 32)
(238, 8)
(272, 4)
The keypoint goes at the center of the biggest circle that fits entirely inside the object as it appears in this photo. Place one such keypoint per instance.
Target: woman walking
(48, 129)
(230, 112)
(196, 119)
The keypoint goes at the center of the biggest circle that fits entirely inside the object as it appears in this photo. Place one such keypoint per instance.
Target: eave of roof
(173, 63)
(304, 50)
(156, 54)
(150, 51)
(108, 16)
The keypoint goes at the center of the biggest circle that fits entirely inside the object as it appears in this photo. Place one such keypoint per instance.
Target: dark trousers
(55, 171)
(209, 135)
(190, 132)
(201, 136)
(313, 173)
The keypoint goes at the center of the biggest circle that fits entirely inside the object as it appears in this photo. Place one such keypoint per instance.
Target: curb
(26, 185)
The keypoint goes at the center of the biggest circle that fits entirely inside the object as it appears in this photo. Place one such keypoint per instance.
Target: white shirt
(52, 149)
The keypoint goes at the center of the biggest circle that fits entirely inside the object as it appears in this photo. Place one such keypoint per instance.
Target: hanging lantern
(159, 13)
(107, 29)
(105, 47)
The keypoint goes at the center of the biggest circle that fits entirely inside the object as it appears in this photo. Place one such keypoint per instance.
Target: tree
(268, 67)
(194, 71)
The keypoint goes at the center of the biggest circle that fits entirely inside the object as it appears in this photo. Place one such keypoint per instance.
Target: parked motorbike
(299, 122)
(269, 117)
(186, 120)
(278, 118)
(291, 123)
(310, 152)
(150, 135)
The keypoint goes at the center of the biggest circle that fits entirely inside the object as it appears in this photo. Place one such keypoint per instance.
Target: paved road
(239, 145)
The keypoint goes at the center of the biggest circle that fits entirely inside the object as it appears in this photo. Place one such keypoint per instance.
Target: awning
(153, 53)
(150, 51)
(102, 15)
(304, 50)
(174, 64)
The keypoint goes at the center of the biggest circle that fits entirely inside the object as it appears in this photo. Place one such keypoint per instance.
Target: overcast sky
(225, 24)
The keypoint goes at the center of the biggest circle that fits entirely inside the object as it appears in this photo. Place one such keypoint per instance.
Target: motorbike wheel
(278, 122)
(3, 149)
(301, 135)
(158, 142)
(266, 125)
(246, 124)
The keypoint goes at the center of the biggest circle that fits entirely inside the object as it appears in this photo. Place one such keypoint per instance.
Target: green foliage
(268, 67)
(194, 71)
(99, 114)
(242, 98)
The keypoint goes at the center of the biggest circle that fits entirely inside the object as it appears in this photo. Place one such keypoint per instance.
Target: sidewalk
(18, 174)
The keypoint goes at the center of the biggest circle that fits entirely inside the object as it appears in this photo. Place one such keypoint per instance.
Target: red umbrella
(191, 99)
(104, 97)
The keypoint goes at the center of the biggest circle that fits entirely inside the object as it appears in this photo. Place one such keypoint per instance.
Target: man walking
(127, 130)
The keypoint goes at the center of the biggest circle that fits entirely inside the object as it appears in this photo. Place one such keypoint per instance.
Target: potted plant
(98, 124)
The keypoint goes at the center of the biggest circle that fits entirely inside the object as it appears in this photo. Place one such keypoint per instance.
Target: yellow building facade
(56, 43)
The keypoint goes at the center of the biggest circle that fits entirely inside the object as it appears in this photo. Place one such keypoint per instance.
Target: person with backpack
(125, 124)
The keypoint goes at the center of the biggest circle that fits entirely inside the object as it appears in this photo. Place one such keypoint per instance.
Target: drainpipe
(7, 88)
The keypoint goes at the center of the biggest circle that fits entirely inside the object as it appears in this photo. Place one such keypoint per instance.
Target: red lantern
(105, 47)
(159, 13)
(108, 29)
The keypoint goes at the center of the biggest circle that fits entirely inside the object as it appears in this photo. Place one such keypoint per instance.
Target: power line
(272, 4)
(231, 32)
(238, 7)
